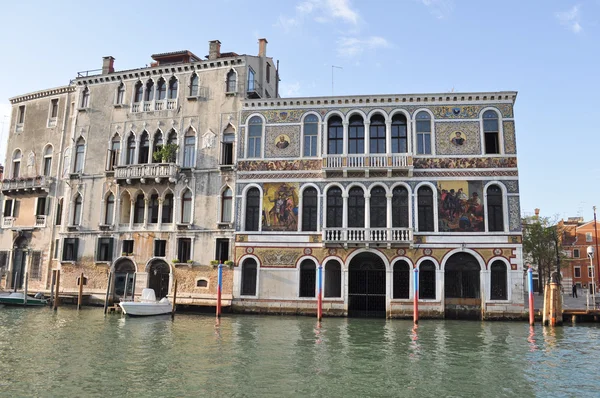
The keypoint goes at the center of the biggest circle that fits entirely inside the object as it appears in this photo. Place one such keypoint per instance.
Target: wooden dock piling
(80, 295)
(174, 300)
(107, 292)
(55, 304)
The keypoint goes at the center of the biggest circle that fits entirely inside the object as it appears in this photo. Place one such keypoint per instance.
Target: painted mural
(460, 206)
(280, 207)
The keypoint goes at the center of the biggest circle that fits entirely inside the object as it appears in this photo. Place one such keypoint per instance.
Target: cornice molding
(42, 93)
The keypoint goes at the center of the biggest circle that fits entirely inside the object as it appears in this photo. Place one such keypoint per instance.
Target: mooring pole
(219, 289)
(16, 281)
(52, 287)
(530, 285)
(25, 293)
(126, 285)
(416, 298)
(107, 291)
(57, 289)
(80, 295)
(174, 300)
(320, 293)
(133, 288)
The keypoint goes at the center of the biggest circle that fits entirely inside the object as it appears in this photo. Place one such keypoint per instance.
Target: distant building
(577, 269)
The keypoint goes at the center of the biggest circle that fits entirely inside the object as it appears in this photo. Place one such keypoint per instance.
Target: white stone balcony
(23, 185)
(368, 236)
(152, 172)
(7, 222)
(40, 221)
(364, 162)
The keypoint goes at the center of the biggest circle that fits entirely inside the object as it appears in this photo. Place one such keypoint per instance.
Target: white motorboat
(147, 306)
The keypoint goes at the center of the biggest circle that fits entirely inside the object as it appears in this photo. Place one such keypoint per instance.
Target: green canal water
(87, 354)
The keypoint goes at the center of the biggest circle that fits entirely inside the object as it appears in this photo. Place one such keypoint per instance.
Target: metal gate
(366, 286)
(159, 278)
(462, 289)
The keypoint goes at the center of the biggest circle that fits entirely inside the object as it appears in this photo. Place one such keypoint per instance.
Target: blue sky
(547, 50)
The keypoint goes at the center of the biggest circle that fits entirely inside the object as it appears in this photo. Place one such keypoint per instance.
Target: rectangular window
(127, 247)
(21, 115)
(575, 253)
(47, 165)
(56, 246)
(590, 271)
(59, 208)
(310, 139)
(8, 208)
(588, 236)
(160, 248)
(41, 206)
(70, 247)
(227, 145)
(184, 249)
(577, 272)
(36, 266)
(268, 73)
(104, 251)
(54, 108)
(222, 250)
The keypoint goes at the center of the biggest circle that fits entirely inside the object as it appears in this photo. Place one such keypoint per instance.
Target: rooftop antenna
(333, 67)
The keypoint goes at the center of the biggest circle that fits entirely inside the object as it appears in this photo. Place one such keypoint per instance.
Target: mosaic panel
(280, 207)
(282, 142)
(460, 206)
(514, 214)
(279, 165)
(464, 163)
(241, 142)
(278, 257)
(254, 176)
(461, 138)
(510, 140)
(512, 186)
(487, 173)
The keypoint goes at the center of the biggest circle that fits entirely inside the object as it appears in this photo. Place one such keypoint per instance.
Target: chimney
(108, 65)
(214, 49)
(262, 47)
(537, 212)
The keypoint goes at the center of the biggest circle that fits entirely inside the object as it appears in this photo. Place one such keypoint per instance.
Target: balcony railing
(368, 235)
(144, 172)
(7, 222)
(254, 89)
(171, 104)
(40, 221)
(26, 184)
(368, 162)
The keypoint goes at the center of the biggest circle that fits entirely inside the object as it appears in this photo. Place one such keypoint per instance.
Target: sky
(547, 50)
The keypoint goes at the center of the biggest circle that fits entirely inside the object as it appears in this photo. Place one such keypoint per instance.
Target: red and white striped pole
(219, 288)
(319, 294)
(530, 285)
(416, 298)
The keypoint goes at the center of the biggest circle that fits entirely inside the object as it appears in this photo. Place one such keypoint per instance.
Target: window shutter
(110, 249)
(75, 249)
(48, 206)
(15, 209)
(98, 253)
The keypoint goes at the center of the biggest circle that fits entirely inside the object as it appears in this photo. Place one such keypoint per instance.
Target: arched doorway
(462, 291)
(158, 278)
(124, 272)
(19, 261)
(366, 286)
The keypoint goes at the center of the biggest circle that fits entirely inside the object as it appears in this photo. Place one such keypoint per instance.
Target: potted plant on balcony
(214, 263)
(190, 261)
(175, 261)
(166, 153)
(228, 263)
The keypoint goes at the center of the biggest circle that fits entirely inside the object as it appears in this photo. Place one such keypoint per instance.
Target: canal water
(87, 354)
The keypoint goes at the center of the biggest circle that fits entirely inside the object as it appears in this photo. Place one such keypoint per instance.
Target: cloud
(439, 8)
(352, 46)
(570, 19)
(290, 89)
(321, 11)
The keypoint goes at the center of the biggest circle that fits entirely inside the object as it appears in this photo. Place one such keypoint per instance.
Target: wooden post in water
(416, 297)
(133, 288)
(53, 279)
(126, 284)
(25, 292)
(16, 280)
(80, 295)
(219, 289)
(174, 300)
(320, 293)
(107, 291)
(57, 289)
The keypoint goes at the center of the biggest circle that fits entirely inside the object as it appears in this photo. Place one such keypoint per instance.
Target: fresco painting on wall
(460, 206)
(280, 207)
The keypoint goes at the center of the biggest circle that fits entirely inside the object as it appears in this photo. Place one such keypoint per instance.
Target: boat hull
(31, 302)
(145, 309)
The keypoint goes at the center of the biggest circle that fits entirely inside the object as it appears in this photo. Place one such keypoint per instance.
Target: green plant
(130, 254)
(228, 263)
(123, 254)
(166, 153)
(214, 263)
(190, 261)
(175, 260)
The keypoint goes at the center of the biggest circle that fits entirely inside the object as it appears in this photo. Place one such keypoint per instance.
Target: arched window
(77, 204)
(491, 131)
(115, 150)
(335, 136)
(231, 82)
(335, 207)
(194, 85)
(377, 134)
(311, 130)
(356, 208)
(423, 133)
(254, 137)
(226, 205)
(425, 206)
(356, 135)
(399, 207)
(144, 148)
(16, 163)
(251, 81)
(138, 211)
(167, 209)
(172, 137)
(109, 209)
(227, 145)
(378, 210)
(85, 97)
(427, 280)
(308, 278)
(186, 207)
(309, 209)
(149, 90)
(161, 89)
(401, 281)
(59, 210)
(498, 281)
(47, 161)
(249, 277)
(130, 149)
(399, 134)
(79, 151)
(333, 279)
(189, 149)
(252, 209)
(139, 92)
(173, 87)
(153, 209)
(120, 94)
(157, 145)
(495, 213)
(125, 208)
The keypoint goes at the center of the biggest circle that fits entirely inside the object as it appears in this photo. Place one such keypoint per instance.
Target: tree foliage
(541, 246)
